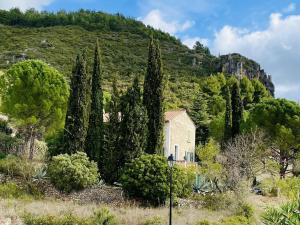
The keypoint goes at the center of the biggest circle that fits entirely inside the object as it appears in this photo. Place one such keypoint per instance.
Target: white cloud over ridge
(277, 49)
(155, 19)
(190, 41)
(24, 4)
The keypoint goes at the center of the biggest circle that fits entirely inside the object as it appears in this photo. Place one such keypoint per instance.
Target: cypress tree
(111, 164)
(228, 115)
(133, 124)
(77, 117)
(154, 99)
(95, 135)
(237, 109)
(200, 116)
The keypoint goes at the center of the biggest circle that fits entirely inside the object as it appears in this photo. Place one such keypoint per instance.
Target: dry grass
(129, 215)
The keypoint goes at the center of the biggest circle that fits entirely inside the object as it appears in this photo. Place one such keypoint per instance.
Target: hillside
(56, 38)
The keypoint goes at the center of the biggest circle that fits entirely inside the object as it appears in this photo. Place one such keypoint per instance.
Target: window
(176, 152)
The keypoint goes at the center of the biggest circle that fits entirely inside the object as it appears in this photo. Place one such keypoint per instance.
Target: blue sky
(267, 31)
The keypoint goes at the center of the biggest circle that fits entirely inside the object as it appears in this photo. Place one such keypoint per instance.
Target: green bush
(154, 221)
(101, 217)
(288, 214)
(16, 166)
(147, 177)
(2, 155)
(73, 172)
(24, 191)
(203, 222)
(245, 210)
(289, 187)
(234, 220)
(217, 201)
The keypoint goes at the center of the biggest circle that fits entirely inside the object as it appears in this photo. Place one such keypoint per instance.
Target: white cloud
(155, 19)
(290, 8)
(190, 41)
(24, 4)
(277, 49)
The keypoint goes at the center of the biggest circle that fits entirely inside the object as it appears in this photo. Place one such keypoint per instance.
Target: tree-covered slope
(56, 38)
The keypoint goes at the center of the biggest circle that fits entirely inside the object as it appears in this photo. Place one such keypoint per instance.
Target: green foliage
(77, 118)
(235, 220)
(11, 190)
(228, 115)
(287, 214)
(147, 177)
(154, 99)
(237, 109)
(154, 221)
(209, 166)
(260, 91)
(95, 135)
(87, 19)
(35, 94)
(72, 172)
(133, 125)
(112, 165)
(247, 91)
(245, 210)
(200, 116)
(281, 119)
(9, 144)
(100, 217)
(16, 166)
(218, 201)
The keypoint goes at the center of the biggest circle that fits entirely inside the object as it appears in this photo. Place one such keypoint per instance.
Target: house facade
(180, 135)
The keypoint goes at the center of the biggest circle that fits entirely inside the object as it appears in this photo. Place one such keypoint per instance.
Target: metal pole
(170, 219)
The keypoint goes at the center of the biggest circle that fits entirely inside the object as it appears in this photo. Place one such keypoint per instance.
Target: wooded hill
(56, 37)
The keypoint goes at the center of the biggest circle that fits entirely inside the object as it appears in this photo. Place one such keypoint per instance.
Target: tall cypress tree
(77, 117)
(134, 123)
(153, 99)
(237, 109)
(95, 135)
(111, 164)
(228, 115)
(200, 116)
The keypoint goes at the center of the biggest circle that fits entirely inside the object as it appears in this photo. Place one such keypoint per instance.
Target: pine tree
(95, 135)
(111, 165)
(154, 99)
(228, 115)
(201, 118)
(133, 123)
(237, 109)
(77, 117)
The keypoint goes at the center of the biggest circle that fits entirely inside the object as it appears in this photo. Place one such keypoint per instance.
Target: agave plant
(288, 214)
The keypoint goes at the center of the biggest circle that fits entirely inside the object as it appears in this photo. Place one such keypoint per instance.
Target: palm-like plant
(288, 214)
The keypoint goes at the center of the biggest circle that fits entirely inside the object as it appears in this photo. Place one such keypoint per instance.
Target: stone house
(179, 136)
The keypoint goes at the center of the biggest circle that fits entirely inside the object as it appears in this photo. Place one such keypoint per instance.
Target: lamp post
(171, 164)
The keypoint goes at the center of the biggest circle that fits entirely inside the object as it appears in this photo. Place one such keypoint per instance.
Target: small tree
(77, 118)
(35, 95)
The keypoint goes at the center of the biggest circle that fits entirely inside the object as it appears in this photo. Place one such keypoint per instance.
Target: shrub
(203, 222)
(147, 177)
(72, 172)
(104, 217)
(2, 155)
(154, 221)
(16, 166)
(101, 217)
(289, 187)
(217, 201)
(245, 210)
(287, 214)
(234, 220)
(24, 191)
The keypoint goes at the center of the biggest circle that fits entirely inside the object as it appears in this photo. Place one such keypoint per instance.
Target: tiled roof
(169, 115)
